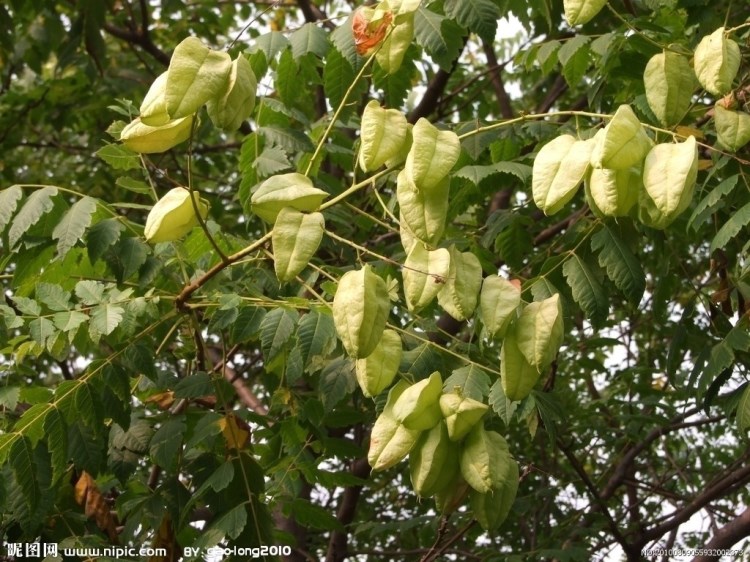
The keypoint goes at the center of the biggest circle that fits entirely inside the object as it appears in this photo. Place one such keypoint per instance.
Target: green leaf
(312, 516)
(438, 35)
(87, 406)
(316, 335)
(587, 291)
(57, 442)
(743, 410)
(89, 292)
(475, 174)
(119, 157)
(501, 404)
(276, 330)
(166, 443)
(574, 69)
(9, 199)
(127, 257)
(271, 161)
(472, 381)
(42, 330)
(271, 44)
(69, 321)
(101, 236)
(290, 140)
(731, 228)
(36, 205)
(343, 39)
(9, 397)
(622, 267)
(194, 386)
(421, 361)
(31, 423)
(104, 319)
(337, 381)
(75, 222)
(54, 296)
(232, 522)
(338, 76)
(21, 459)
(136, 186)
(712, 202)
(247, 324)
(479, 16)
(85, 448)
(309, 39)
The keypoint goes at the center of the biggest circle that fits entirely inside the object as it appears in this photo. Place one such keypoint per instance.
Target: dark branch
(728, 535)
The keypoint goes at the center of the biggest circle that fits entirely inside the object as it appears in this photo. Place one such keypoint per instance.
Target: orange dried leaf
(367, 36)
(94, 505)
(163, 400)
(235, 431)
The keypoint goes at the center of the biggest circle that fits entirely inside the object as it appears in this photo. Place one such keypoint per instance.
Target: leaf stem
(338, 111)
(354, 188)
(188, 290)
(197, 212)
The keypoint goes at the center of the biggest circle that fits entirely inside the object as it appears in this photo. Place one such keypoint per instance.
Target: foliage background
(238, 409)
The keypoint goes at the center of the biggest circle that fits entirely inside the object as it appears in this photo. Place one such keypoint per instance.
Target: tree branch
(338, 549)
(734, 479)
(496, 79)
(728, 535)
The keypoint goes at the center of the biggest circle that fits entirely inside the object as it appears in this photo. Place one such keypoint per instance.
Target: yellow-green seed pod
(716, 62)
(173, 216)
(613, 193)
(376, 372)
(295, 239)
(360, 311)
(153, 110)
(669, 81)
(484, 459)
(285, 190)
(578, 12)
(236, 102)
(498, 303)
(196, 74)
(149, 140)
(425, 272)
(433, 462)
(383, 133)
(423, 213)
(432, 155)
(492, 508)
(540, 331)
(461, 414)
(622, 143)
(669, 175)
(391, 53)
(732, 128)
(517, 376)
(390, 441)
(450, 497)
(559, 168)
(460, 293)
(418, 407)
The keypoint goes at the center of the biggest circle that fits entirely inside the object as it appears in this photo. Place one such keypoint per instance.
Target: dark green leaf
(36, 205)
(587, 291)
(622, 267)
(72, 226)
(276, 328)
(473, 382)
(119, 157)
